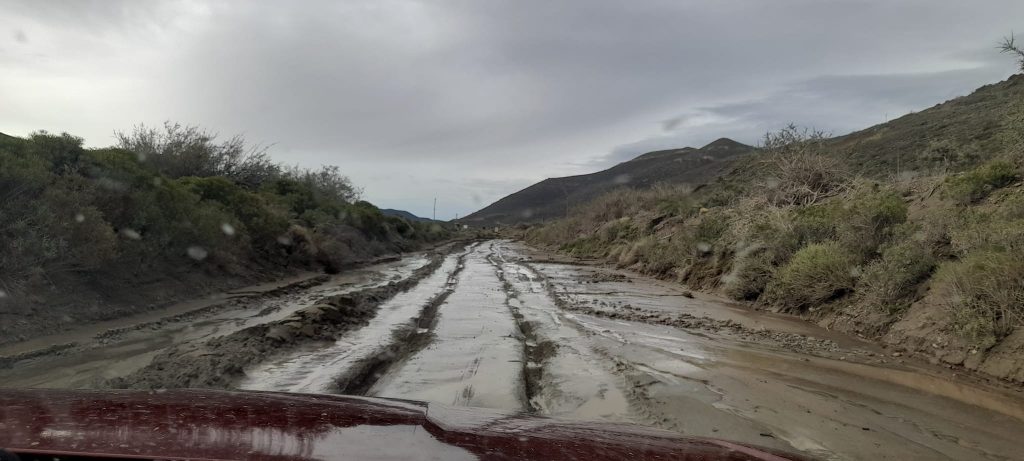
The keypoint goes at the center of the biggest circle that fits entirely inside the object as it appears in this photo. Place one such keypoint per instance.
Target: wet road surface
(508, 337)
(101, 355)
(502, 326)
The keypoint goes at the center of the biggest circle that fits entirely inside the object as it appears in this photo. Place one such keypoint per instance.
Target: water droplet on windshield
(284, 240)
(228, 229)
(196, 253)
(79, 217)
(3, 294)
(129, 233)
(704, 247)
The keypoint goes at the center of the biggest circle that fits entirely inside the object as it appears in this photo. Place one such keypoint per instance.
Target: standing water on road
(475, 354)
(585, 342)
(498, 325)
(314, 369)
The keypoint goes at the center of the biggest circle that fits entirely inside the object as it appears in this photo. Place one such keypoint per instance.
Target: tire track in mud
(405, 341)
(536, 351)
(641, 382)
(220, 362)
(564, 375)
(474, 352)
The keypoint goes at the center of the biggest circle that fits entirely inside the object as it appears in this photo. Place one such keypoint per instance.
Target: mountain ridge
(555, 197)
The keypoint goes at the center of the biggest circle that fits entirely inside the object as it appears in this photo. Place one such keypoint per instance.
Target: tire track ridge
(219, 363)
(405, 341)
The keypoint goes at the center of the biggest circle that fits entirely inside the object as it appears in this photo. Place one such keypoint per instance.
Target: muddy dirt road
(499, 325)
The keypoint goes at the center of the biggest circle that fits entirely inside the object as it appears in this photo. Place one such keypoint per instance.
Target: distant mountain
(551, 197)
(403, 214)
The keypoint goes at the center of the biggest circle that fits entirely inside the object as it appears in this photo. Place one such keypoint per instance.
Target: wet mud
(220, 362)
(499, 325)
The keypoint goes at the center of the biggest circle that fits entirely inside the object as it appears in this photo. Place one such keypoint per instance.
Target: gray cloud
(469, 100)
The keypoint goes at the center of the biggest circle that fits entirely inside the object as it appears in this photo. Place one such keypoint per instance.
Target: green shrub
(257, 220)
(976, 184)
(868, 220)
(817, 223)
(61, 151)
(976, 230)
(750, 275)
(817, 273)
(169, 201)
(53, 231)
(587, 247)
(675, 205)
(710, 228)
(620, 229)
(756, 224)
(661, 256)
(889, 282)
(986, 294)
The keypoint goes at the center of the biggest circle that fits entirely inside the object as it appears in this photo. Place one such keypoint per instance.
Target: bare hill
(553, 197)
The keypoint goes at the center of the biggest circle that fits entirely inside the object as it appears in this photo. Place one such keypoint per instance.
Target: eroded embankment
(789, 341)
(221, 361)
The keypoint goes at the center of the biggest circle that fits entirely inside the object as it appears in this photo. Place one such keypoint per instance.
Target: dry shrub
(799, 171)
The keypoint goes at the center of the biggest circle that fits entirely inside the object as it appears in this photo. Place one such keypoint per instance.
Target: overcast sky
(469, 100)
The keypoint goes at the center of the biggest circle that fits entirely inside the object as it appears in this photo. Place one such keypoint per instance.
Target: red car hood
(200, 424)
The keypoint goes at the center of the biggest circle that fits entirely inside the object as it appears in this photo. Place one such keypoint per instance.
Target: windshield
(511, 230)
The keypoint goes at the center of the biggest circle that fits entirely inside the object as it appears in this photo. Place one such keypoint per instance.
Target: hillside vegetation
(925, 257)
(88, 234)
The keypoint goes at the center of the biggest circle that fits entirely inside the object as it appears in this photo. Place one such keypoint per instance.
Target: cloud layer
(468, 100)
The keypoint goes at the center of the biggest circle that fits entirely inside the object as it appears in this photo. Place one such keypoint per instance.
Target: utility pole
(434, 217)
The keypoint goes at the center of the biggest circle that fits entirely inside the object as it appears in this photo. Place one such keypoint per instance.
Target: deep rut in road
(405, 340)
(473, 348)
(220, 362)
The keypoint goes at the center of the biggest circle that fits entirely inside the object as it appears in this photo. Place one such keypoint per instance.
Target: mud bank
(107, 332)
(925, 332)
(789, 341)
(921, 334)
(220, 362)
